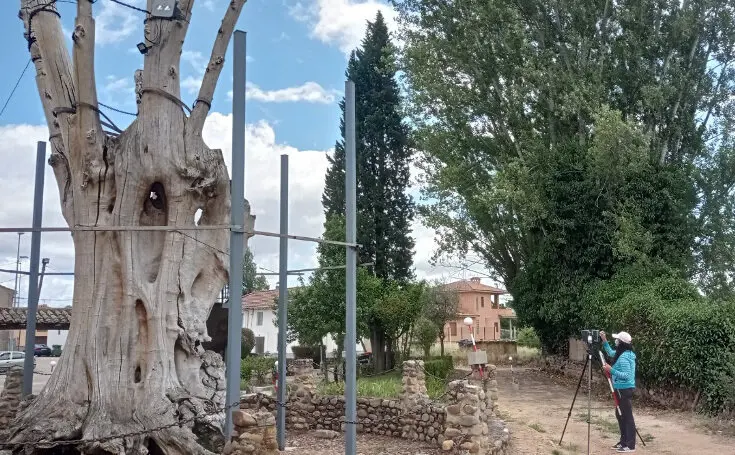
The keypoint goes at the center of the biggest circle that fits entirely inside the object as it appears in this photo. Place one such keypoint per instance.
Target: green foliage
(384, 207)
(56, 350)
(247, 342)
(425, 333)
(318, 309)
(256, 368)
(304, 352)
(680, 337)
(561, 165)
(439, 367)
(383, 386)
(251, 281)
(440, 305)
(527, 338)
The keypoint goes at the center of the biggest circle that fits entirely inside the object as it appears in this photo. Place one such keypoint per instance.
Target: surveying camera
(591, 336)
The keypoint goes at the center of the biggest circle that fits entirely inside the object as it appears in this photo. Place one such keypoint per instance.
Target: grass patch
(537, 427)
(603, 424)
(384, 386)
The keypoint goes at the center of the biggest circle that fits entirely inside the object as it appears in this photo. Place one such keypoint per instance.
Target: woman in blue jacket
(622, 371)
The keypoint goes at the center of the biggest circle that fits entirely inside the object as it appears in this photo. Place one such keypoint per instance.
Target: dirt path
(537, 408)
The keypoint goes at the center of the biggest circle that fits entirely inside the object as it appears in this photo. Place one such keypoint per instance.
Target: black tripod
(589, 401)
(589, 398)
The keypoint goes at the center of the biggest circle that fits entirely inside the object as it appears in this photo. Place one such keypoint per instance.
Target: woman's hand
(603, 336)
(607, 367)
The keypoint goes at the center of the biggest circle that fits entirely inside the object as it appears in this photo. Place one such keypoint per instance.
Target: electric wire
(12, 92)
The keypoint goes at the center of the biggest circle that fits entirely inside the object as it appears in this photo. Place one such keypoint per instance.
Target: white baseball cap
(623, 336)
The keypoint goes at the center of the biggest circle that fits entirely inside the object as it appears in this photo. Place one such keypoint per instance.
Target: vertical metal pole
(282, 306)
(237, 218)
(351, 272)
(33, 282)
(17, 269)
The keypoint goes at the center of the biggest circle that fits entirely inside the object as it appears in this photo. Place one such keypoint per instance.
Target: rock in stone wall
(11, 396)
(470, 424)
(255, 433)
(414, 385)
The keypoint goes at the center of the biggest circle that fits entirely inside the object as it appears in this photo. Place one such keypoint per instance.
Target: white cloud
(115, 22)
(263, 151)
(309, 92)
(209, 4)
(191, 84)
(342, 23)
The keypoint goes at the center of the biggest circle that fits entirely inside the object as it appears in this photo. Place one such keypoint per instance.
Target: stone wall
(10, 397)
(255, 433)
(413, 416)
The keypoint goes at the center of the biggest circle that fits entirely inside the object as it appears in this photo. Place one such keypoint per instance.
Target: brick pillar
(255, 434)
(11, 396)
(467, 419)
(301, 396)
(414, 384)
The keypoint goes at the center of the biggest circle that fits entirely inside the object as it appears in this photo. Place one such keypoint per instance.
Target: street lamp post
(17, 269)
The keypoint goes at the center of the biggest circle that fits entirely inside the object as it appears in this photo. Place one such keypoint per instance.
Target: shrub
(256, 368)
(304, 352)
(247, 342)
(426, 333)
(56, 350)
(439, 367)
(680, 338)
(527, 337)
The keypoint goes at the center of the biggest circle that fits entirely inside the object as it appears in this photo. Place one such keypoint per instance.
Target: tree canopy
(565, 143)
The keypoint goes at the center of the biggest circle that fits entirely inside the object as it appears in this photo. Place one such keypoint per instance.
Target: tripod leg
(589, 405)
(641, 437)
(581, 376)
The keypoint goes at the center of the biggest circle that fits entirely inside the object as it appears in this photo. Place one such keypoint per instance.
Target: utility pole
(44, 263)
(17, 269)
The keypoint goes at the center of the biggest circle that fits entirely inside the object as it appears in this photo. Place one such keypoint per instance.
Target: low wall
(497, 351)
(413, 416)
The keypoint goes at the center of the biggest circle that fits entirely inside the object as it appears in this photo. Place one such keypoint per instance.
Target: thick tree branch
(88, 119)
(214, 68)
(53, 66)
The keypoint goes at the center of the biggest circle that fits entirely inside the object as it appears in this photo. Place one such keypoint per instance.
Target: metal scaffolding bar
(28, 362)
(282, 307)
(237, 214)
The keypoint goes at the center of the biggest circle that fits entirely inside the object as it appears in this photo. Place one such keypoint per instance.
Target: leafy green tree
(425, 332)
(247, 342)
(251, 281)
(319, 308)
(397, 310)
(440, 305)
(563, 143)
(385, 209)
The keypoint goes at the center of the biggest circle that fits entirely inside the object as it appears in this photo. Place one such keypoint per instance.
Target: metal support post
(237, 236)
(351, 272)
(282, 306)
(33, 282)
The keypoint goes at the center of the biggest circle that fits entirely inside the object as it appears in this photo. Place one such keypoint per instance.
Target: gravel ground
(307, 444)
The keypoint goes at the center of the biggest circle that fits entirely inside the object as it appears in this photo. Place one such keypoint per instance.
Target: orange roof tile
(473, 285)
(261, 300)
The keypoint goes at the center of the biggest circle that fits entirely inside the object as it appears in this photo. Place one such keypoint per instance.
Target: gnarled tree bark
(134, 360)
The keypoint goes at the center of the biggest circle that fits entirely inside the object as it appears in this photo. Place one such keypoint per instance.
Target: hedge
(680, 338)
(439, 367)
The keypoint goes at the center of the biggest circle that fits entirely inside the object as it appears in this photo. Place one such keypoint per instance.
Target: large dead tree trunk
(134, 359)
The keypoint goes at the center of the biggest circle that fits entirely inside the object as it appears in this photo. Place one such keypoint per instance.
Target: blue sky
(297, 53)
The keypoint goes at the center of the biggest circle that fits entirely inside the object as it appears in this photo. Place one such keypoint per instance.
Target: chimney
(475, 279)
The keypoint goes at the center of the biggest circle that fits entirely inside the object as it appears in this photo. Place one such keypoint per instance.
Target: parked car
(10, 359)
(466, 343)
(41, 350)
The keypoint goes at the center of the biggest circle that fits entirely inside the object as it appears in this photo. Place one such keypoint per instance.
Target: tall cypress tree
(384, 209)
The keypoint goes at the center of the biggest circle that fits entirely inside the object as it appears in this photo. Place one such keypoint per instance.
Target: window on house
(477, 303)
(259, 318)
(482, 301)
(453, 329)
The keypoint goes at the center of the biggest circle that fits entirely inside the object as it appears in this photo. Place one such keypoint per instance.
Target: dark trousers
(626, 421)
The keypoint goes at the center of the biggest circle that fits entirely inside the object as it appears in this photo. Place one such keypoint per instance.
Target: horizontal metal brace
(23, 272)
(214, 227)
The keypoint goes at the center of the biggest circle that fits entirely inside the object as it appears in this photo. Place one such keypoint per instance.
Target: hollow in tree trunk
(134, 360)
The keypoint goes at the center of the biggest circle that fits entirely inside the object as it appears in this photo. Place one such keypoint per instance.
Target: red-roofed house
(482, 303)
(259, 315)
